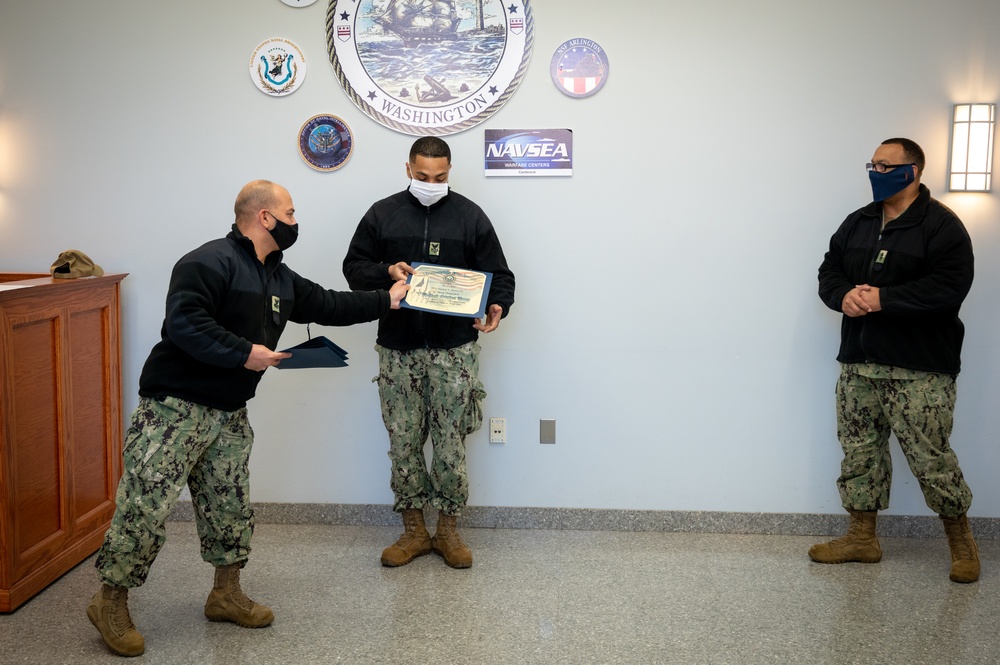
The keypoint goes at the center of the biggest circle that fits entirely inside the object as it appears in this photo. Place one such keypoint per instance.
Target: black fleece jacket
(453, 232)
(221, 301)
(923, 276)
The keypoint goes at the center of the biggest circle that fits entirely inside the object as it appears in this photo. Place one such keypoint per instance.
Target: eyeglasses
(882, 168)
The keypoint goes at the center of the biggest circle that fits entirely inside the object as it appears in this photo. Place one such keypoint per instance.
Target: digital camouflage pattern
(874, 400)
(435, 392)
(170, 443)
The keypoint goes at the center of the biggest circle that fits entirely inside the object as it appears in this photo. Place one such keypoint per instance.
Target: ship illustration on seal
(421, 21)
(429, 66)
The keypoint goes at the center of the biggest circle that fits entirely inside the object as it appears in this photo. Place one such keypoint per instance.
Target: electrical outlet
(546, 431)
(498, 430)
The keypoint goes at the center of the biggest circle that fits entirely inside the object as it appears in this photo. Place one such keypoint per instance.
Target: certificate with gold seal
(445, 290)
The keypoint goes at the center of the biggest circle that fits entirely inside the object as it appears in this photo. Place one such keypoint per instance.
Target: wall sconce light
(971, 167)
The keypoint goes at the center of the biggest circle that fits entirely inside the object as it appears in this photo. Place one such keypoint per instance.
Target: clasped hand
(862, 299)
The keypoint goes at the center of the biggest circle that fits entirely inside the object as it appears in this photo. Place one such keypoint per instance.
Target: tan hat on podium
(73, 263)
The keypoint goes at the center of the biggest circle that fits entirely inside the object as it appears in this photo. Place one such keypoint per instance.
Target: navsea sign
(528, 152)
(429, 67)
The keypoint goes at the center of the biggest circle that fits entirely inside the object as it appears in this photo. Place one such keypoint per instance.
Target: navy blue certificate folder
(314, 352)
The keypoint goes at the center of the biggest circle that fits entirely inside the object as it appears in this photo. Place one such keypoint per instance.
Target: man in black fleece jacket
(428, 377)
(898, 269)
(227, 304)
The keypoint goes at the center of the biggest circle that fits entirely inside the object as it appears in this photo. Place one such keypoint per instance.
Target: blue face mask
(885, 185)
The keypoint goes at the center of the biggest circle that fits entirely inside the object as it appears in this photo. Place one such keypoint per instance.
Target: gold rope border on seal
(529, 38)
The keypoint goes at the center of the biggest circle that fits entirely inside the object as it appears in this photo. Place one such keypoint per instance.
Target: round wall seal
(579, 67)
(298, 3)
(429, 67)
(325, 142)
(277, 67)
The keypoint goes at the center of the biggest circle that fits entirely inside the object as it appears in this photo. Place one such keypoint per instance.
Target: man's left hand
(493, 315)
(397, 293)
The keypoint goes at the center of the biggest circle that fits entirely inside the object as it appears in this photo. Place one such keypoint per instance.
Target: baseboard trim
(584, 519)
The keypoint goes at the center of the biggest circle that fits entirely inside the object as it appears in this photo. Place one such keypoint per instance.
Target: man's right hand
(262, 357)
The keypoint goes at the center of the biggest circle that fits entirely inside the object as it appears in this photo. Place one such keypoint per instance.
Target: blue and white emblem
(277, 67)
(429, 67)
(325, 142)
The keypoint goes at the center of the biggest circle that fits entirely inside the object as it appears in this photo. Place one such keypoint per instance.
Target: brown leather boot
(447, 544)
(859, 544)
(414, 542)
(227, 602)
(108, 611)
(964, 552)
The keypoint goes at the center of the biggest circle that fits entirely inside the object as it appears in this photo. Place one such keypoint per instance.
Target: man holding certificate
(428, 382)
(228, 302)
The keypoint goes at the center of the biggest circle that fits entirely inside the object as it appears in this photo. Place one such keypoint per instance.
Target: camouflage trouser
(918, 410)
(172, 442)
(434, 392)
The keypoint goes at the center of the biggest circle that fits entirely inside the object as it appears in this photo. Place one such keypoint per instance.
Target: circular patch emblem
(429, 67)
(579, 67)
(277, 67)
(325, 142)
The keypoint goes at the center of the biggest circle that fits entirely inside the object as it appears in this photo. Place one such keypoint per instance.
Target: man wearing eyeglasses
(898, 269)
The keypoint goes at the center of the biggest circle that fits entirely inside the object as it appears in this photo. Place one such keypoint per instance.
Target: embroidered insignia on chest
(275, 304)
(435, 249)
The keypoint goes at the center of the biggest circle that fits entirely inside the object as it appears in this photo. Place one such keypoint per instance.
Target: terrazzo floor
(537, 596)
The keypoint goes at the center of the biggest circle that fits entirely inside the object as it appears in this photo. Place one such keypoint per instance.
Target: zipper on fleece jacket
(871, 273)
(425, 248)
(265, 278)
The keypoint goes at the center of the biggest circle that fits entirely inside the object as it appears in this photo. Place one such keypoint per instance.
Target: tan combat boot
(227, 602)
(108, 611)
(859, 544)
(447, 544)
(964, 552)
(414, 542)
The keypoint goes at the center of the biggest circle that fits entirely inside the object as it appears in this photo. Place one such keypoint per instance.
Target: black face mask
(284, 234)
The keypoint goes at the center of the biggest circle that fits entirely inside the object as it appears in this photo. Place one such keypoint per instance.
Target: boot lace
(409, 537)
(236, 593)
(452, 539)
(120, 619)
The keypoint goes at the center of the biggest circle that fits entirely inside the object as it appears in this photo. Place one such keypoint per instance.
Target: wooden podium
(60, 425)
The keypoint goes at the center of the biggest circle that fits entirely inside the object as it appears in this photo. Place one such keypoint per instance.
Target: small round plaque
(579, 67)
(277, 67)
(325, 142)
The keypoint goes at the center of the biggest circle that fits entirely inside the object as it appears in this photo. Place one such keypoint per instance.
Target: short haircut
(430, 146)
(254, 196)
(913, 151)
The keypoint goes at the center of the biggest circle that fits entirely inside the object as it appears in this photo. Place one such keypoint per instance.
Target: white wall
(666, 311)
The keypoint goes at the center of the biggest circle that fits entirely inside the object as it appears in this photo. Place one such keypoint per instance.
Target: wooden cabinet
(60, 425)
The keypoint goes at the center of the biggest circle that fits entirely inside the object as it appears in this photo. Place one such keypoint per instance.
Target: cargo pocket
(121, 543)
(473, 418)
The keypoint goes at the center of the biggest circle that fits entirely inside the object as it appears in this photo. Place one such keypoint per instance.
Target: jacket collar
(247, 246)
(437, 204)
(912, 215)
